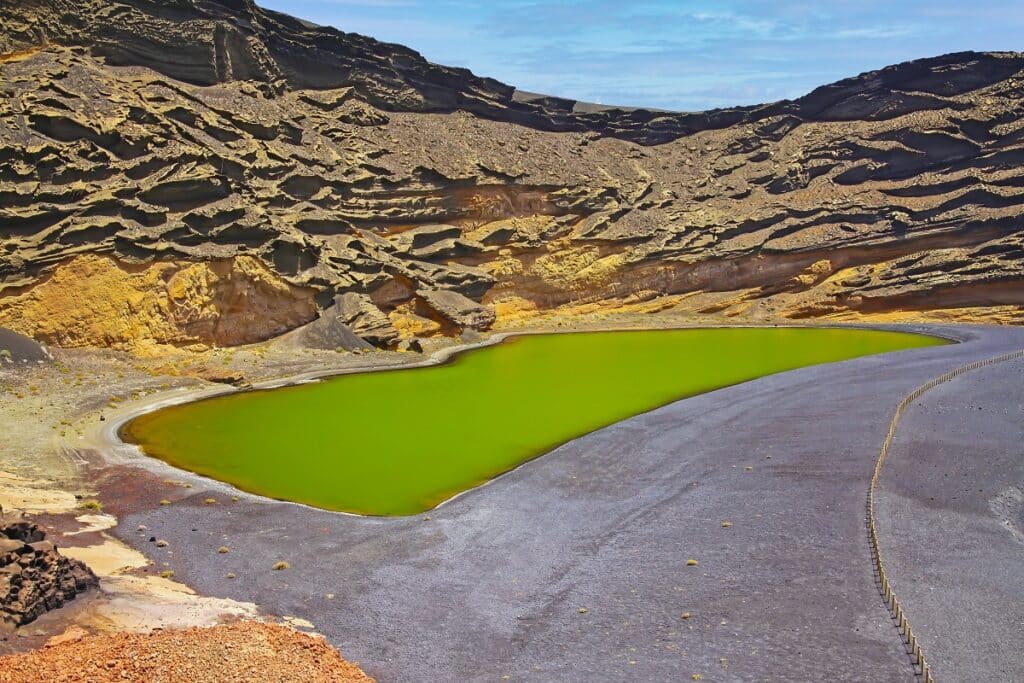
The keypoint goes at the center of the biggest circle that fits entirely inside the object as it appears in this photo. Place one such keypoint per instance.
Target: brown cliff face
(204, 131)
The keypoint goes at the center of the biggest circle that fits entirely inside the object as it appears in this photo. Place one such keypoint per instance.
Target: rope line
(921, 666)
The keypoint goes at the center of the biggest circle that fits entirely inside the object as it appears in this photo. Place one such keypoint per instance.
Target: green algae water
(402, 441)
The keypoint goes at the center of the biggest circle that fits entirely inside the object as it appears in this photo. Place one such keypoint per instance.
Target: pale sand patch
(107, 559)
(142, 603)
(93, 523)
(33, 495)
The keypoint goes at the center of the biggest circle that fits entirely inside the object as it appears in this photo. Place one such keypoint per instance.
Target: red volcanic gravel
(243, 651)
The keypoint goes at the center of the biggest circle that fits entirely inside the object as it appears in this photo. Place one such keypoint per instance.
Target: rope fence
(922, 668)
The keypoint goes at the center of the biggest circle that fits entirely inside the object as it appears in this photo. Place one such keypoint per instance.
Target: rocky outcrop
(259, 167)
(453, 309)
(358, 313)
(34, 577)
(210, 42)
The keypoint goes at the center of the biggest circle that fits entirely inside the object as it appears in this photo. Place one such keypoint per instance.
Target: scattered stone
(241, 651)
(410, 345)
(222, 376)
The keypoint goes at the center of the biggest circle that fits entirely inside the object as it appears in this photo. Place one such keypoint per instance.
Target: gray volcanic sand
(951, 517)
(22, 348)
(495, 583)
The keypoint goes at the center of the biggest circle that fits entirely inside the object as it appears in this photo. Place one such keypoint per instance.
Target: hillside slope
(205, 172)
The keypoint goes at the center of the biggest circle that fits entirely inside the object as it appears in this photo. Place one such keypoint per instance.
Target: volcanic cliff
(206, 172)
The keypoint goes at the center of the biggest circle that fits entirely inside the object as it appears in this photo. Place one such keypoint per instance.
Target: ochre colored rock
(222, 376)
(97, 301)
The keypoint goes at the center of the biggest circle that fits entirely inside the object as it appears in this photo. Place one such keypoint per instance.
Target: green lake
(402, 441)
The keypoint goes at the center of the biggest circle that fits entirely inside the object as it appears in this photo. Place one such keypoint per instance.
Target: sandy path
(951, 521)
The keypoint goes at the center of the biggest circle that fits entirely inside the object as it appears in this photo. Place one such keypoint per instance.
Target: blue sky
(682, 54)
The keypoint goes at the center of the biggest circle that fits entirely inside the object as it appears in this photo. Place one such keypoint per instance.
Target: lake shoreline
(49, 474)
(110, 435)
(352, 456)
(586, 511)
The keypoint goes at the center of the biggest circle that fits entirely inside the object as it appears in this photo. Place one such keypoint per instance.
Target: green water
(402, 441)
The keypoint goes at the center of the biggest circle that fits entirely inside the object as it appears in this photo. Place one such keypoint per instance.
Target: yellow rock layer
(96, 301)
(410, 324)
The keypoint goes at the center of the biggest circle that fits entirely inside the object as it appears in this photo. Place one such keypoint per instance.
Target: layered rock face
(34, 577)
(155, 147)
(93, 300)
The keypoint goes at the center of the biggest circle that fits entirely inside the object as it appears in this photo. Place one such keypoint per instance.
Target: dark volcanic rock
(207, 42)
(34, 576)
(212, 130)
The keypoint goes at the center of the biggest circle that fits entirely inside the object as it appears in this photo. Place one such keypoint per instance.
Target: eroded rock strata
(205, 173)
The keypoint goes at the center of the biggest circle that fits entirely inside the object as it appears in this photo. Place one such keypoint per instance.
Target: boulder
(23, 531)
(9, 546)
(426, 235)
(223, 376)
(358, 312)
(410, 345)
(455, 309)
